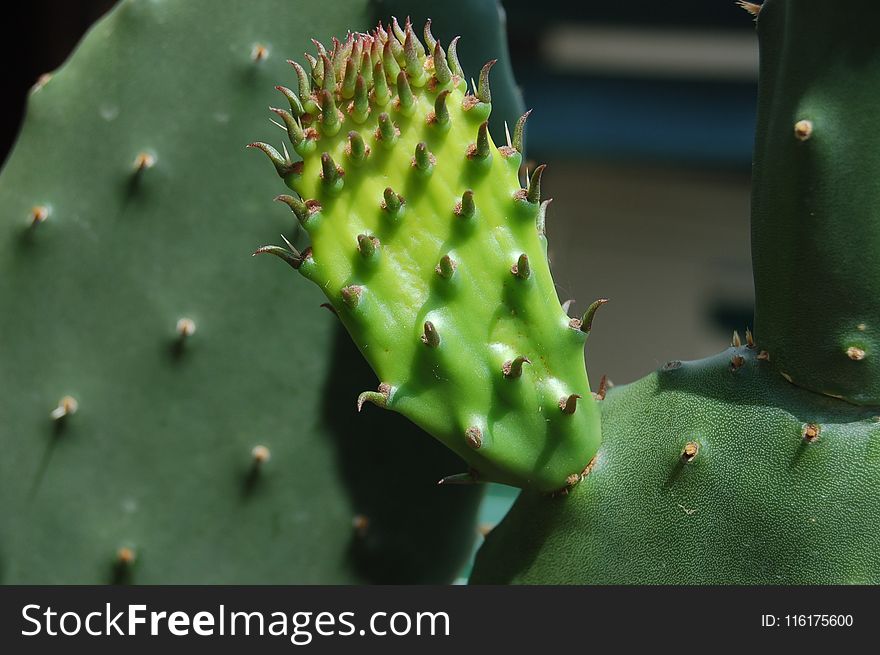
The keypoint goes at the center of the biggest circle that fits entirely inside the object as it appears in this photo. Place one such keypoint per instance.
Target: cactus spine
(433, 255)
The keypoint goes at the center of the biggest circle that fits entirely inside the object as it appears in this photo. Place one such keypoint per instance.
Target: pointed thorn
(522, 269)
(367, 245)
(452, 58)
(533, 193)
(378, 398)
(567, 305)
(483, 92)
(750, 339)
(330, 308)
(735, 341)
(480, 149)
(391, 201)
(603, 388)
(751, 7)
(466, 208)
(331, 174)
(519, 131)
(430, 337)
(290, 254)
(459, 478)
(585, 324)
(423, 160)
(512, 368)
(446, 267)
(568, 404)
(67, 406)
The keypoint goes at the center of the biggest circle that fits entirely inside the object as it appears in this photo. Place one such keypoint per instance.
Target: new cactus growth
(433, 255)
(759, 465)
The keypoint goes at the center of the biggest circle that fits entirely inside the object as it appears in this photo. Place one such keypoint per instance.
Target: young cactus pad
(434, 257)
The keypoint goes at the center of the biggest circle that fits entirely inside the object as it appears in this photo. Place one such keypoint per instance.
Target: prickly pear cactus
(153, 430)
(762, 464)
(433, 254)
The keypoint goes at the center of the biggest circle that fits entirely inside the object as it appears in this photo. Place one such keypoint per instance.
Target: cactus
(433, 256)
(153, 430)
(758, 465)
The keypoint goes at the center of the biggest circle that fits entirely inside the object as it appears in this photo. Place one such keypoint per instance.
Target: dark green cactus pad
(204, 447)
(710, 472)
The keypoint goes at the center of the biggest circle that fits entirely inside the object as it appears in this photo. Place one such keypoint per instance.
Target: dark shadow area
(405, 529)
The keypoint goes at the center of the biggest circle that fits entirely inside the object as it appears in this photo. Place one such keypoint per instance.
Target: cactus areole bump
(433, 255)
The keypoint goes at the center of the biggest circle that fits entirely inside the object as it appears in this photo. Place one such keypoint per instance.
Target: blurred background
(645, 113)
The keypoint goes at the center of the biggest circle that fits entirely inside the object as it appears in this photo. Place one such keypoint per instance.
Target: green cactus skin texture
(710, 472)
(207, 450)
(733, 470)
(815, 242)
(434, 256)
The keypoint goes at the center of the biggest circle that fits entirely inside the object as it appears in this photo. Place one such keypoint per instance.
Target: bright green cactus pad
(710, 472)
(205, 447)
(433, 256)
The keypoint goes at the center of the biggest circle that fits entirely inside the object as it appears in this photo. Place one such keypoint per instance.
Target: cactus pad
(433, 255)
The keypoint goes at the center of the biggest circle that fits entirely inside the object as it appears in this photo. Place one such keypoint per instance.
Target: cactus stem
(423, 160)
(260, 455)
(39, 214)
(855, 353)
(585, 323)
(67, 406)
(367, 245)
(521, 269)
(465, 208)
(474, 437)
(430, 336)
(513, 368)
(690, 451)
(735, 341)
(446, 267)
(351, 295)
(803, 130)
(810, 432)
(603, 388)
(484, 94)
(568, 404)
(480, 149)
(185, 328)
